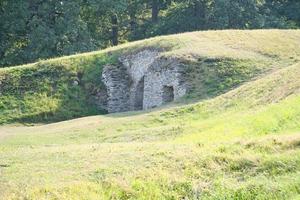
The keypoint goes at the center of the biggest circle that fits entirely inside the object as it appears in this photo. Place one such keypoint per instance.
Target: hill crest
(204, 64)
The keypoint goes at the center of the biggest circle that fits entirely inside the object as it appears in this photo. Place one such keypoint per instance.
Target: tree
(235, 14)
(282, 13)
(155, 11)
(38, 29)
(115, 29)
(13, 31)
(182, 16)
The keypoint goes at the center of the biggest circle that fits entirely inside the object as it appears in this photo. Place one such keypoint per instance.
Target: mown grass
(215, 62)
(244, 144)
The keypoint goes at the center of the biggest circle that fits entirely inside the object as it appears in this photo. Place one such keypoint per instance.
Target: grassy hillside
(241, 145)
(239, 141)
(216, 62)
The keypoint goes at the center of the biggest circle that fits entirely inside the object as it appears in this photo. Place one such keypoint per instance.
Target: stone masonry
(117, 83)
(143, 80)
(164, 76)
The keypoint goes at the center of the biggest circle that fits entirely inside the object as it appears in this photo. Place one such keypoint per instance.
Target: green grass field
(236, 136)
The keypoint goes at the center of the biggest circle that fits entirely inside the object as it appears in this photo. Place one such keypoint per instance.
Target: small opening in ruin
(168, 94)
(139, 95)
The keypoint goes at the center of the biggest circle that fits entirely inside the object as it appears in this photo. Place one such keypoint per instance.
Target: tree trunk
(155, 11)
(199, 13)
(132, 22)
(115, 30)
(133, 26)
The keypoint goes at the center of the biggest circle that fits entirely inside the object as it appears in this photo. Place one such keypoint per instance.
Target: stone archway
(168, 94)
(142, 81)
(139, 95)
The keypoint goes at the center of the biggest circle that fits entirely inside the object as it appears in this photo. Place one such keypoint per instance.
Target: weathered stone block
(143, 80)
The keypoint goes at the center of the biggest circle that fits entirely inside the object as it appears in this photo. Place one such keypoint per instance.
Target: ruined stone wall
(118, 84)
(137, 66)
(164, 72)
(143, 80)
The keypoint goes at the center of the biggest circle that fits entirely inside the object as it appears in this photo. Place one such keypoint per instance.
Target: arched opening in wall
(168, 94)
(102, 98)
(139, 95)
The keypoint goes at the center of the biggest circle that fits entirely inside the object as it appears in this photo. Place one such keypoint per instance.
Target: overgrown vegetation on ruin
(216, 61)
(235, 136)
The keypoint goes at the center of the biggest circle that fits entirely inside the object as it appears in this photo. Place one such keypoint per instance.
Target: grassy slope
(244, 144)
(241, 145)
(217, 61)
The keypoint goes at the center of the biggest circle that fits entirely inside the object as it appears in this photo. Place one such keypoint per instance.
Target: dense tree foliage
(38, 29)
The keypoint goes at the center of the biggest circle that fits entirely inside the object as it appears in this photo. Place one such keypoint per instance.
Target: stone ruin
(142, 81)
